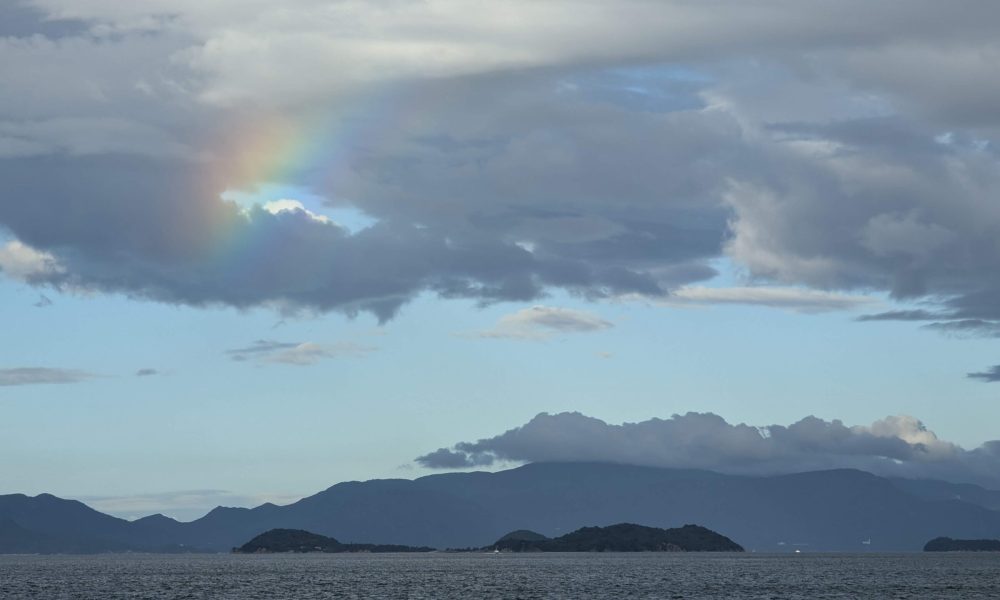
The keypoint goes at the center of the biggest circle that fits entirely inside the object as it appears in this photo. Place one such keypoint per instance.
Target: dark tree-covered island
(946, 544)
(624, 537)
(297, 540)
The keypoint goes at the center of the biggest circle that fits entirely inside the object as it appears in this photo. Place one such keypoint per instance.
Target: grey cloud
(812, 147)
(260, 347)
(297, 353)
(443, 458)
(973, 328)
(903, 315)
(990, 375)
(468, 243)
(41, 375)
(18, 18)
(915, 225)
(43, 301)
(894, 446)
(146, 372)
(948, 323)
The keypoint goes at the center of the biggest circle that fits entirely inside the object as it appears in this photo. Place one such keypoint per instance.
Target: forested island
(624, 537)
(299, 541)
(946, 544)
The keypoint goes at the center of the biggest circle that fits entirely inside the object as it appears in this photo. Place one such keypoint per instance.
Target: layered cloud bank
(895, 446)
(504, 150)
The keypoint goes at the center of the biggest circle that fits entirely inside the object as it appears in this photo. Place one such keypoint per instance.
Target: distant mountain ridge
(821, 510)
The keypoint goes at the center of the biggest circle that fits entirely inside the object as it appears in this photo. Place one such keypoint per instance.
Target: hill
(946, 544)
(297, 540)
(821, 510)
(623, 537)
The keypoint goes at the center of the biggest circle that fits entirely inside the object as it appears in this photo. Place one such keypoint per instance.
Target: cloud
(41, 375)
(895, 446)
(21, 19)
(43, 301)
(146, 372)
(20, 261)
(543, 322)
(968, 328)
(297, 353)
(498, 162)
(260, 347)
(308, 353)
(794, 299)
(990, 375)
(903, 315)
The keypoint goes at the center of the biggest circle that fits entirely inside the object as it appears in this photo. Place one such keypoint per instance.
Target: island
(624, 537)
(300, 541)
(947, 544)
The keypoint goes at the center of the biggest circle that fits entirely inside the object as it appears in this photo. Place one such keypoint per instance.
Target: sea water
(439, 575)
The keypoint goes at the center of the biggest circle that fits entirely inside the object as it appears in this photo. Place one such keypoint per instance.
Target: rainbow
(310, 151)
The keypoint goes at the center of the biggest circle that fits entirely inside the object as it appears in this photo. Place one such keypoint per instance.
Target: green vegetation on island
(297, 540)
(624, 537)
(946, 544)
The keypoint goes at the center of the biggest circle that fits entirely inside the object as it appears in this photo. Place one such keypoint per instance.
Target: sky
(249, 250)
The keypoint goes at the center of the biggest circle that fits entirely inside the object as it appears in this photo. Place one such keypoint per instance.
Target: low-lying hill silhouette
(946, 544)
(623, 537)
(297, 540)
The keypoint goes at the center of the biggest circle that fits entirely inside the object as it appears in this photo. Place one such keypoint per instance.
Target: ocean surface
(448, 576)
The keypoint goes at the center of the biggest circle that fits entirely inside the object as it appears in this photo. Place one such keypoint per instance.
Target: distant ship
(867, 542)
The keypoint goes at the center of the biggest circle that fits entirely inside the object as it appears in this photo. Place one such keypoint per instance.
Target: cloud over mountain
(895, 446)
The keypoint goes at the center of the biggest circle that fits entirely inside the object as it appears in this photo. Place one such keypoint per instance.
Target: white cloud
(20, 261)
(543, 322)
(801, 300)
(309, 353)
(287, 205)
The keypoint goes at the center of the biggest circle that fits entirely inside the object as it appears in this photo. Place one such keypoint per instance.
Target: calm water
(502, 576)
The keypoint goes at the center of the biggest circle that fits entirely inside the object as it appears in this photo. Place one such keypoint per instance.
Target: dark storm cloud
(41, 375)
(895, 446)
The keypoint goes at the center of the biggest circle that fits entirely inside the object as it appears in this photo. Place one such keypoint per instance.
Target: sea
(473, 575)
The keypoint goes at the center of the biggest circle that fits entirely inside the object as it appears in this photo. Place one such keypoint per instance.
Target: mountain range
(832, 510)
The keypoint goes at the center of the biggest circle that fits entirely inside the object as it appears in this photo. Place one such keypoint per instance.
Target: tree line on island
(299, 541)
(624, 537)
(947, 544)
